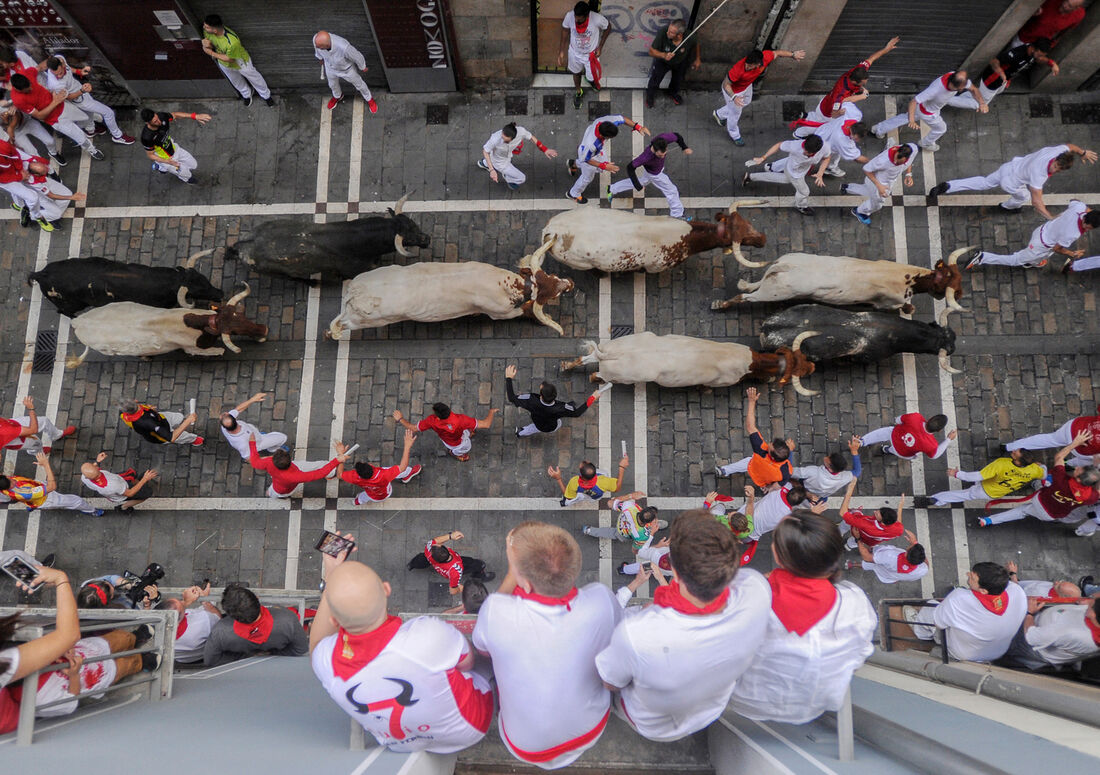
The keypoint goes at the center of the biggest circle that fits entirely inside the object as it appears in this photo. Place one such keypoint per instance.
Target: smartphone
(333, 544)
(21, 570)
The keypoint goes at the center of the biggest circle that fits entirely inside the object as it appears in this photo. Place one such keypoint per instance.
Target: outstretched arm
(1063, 453)
(245, 404)
(752, 395)
(844, 504)
(401, 419)
(890, 46)
(488, 421)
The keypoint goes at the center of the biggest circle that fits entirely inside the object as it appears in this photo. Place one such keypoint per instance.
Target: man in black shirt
(546, 411)
(166, 154)
(1007, 65)
(664, 43)
(157, 427)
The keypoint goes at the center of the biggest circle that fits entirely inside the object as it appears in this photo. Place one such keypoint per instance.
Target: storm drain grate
(439, 595)
(1081, 114)
(515, 106)
(792, 110)
(597, 109)
(553, 104)
(1041, 107)
(438, 114)
(617, 331)
(45, 350)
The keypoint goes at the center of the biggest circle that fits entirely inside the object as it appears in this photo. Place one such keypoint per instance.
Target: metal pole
(845, 732)
(699, 26)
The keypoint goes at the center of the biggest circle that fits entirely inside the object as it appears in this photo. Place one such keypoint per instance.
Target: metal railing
(157, 685)
(887, 638)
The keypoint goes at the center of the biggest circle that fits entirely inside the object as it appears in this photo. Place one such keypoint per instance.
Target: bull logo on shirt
(908, 439)
(396, 705)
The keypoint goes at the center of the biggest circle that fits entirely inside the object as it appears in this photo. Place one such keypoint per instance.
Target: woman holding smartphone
(22, 660)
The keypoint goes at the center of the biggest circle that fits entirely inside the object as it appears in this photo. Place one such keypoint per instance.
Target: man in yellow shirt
(1003, 476)
(224, 46)
(589, 483)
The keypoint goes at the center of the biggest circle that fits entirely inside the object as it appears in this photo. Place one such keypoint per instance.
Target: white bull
(685, 361)
(431, 292)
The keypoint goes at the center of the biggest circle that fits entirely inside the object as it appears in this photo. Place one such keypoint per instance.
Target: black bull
(339, 250)
(855, 337)
(74, 284)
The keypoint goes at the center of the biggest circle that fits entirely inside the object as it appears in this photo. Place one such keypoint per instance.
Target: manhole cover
(438, 114)
(553, 104)
(439, 595)
(1041, 107)
(597, 109)
(45, 349)
(1081, 114)
(515, 106)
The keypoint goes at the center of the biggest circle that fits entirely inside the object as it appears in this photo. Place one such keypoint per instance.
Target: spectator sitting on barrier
(194, 625)
(250, 628)
(22, 660)
(122, 591)
(1055, 635)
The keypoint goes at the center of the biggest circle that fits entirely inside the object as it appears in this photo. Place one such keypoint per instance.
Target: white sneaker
(718, 471)
(909, 613)
(1087, 528)
(850, 544)
(933, 147)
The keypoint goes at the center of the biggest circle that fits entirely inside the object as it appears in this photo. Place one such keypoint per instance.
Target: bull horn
(229, 344)
(541, 316)
(744, 261)
(73, 361)
(400, 204)
(181, 298)
(949, 297)
(955, 254)
(237, 298)
(746, 203)
(190, 263)
(802, 391)
(534, 260)
(399, 245)
(945, 363)
(798, 340)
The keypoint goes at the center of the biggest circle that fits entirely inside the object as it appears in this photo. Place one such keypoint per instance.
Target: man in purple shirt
(649, 167)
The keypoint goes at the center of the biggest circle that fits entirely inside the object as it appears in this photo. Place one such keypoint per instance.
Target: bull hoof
(720, 305)
(595, 378)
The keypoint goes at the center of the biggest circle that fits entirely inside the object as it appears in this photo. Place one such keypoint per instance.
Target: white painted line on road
(606, 454)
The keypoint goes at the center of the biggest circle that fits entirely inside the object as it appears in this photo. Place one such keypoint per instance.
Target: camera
(135, 586)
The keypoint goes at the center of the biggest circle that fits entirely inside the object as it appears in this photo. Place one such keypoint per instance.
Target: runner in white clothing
(124, 490)
(1022, 178)
(927, 105)
(792, 169)
(31, 433)
(1052, 237)
(341, 60)
(237, 432)
(892, 564)
(61, 77)
(592, 155)
(583, 33)
(881, 172)
(499, 149)
(832, 475)
(844, 136)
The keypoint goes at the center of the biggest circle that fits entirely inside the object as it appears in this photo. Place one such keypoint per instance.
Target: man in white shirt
(1055, 635)
(585, 32)
(892, 564)
(341, 60)
(844, 136)
(410, 684)
(61, 77)
(237, 432)
(708, 606)
(499, 149)
(1022, 178)
(880, 173)
(543, 635)
(592, 153)
(769, 512)
(927, 105)
(1052, 237)
(194, 624)
(124, 490)
(980, 619)
(801, 156)
(832, 475)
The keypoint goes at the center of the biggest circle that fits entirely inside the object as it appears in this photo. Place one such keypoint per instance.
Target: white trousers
(1032, 508)
(57, 500)
(937, 127)
(31, 127)
(579, 63)
(72, 122)
(781, 173)
(663, 184)
(588, 172)
(874, 201)
(1020, 194)
(53, 209)
(94, 107)
(530, 430)
(737, 467)
(351, 75)
(1060, 438)
(245, 79)
(509, 172)
(463, 447)
(47, 434)
(1084, 265)
(186, 161)
(25, 196)
(362, 498)
(973, 493)
(1031, 255)
(966, 99)
(924, 626)
(731, 111)
(174, 419)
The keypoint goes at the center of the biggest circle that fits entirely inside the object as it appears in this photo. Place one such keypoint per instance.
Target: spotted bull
(431, 292)
(841, 280)
(685, 361)
(622, 241)
(338, 251)
(75, 284)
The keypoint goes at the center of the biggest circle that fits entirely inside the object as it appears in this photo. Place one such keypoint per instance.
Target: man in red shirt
(55, 111)
(450, 564)
(377, 482)
(1081, 456)
(32, 434)
(15, 178)
(1067, 496)
(911, 435)
(453, 429)
(737, 87)
(870, 530)
(1053, 19)
(286, 475)
(850, 87)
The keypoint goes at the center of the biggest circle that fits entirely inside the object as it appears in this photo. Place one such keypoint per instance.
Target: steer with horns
(127, 328)
(622, 241)
(431, 292)
(842, 281)
(685, 361)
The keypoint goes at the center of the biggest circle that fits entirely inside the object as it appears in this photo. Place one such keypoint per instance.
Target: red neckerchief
(903, 564)
(846, 127)
(352, 652)
(1082, 493)
(135, 416)
(535, 597)
(587, 484)
(101, 480)
(671, 597)
(995, 604)
(259, 630)
(1081, 223)
(893, 154)
(1094, 631)
(798, 602)
(181, 627)
(581, 28)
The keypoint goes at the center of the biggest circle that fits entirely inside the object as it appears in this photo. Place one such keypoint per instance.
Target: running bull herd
(135, 310)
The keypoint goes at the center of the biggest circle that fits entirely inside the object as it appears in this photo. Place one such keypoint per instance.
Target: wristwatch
(321, 586)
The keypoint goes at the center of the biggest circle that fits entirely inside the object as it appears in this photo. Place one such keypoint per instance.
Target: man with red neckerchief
(708, 605)
(32, 434)
(194, 624)
(737, 87)
(1081, 454)
(377, 481)
(250, 628)
(892, 564)
(926, 107)
(452, 428)
(1055, 633)
(871, 530)
(543, 635)
(412, 684)
(848, 89)
(450, 564)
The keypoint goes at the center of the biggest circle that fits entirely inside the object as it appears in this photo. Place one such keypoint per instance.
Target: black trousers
(660, 67)
(472, 567)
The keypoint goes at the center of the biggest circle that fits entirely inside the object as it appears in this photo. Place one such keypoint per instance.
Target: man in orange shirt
(769, 463)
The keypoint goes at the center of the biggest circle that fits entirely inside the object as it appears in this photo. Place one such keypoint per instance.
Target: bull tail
(592, 348)
(73, 361)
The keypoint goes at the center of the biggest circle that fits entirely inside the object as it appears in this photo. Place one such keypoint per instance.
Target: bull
(431, 292)
(841, 280)
(856, 337)
(75, 284)
(126, 328)
(336, 250)
(685, 361)
(622, 241)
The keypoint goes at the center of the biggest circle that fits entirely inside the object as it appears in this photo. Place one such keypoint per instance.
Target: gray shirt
(287, 639)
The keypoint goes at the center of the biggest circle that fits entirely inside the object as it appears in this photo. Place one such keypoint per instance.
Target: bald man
(124, 490)
(340, 59)
(408, 684)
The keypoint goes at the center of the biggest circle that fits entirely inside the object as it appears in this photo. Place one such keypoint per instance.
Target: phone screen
(22, 571)
(333, 544)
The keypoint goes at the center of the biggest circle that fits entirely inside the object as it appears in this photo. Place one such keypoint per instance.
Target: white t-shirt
(114, 488)
(975, 633)
(341, 57)
(677, 670)
(406, 689)
(239, 440)
(821, 482)
(768, 512)
(591, 148)
(796, 678)
(798, 163)
(936, 95)
(93, 676)
(1060, 635)
(500, 152)
(544, 659)
(588, 41)
(885, 170)
(890, 565)
(189, 645)
(11, 656)
(1066, 228)
(1036, 587)
(68, 81)
(1031, 170)
(841, 143)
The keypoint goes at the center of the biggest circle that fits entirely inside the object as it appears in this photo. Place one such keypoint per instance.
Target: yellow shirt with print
(1002, 476)
(605, 483)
